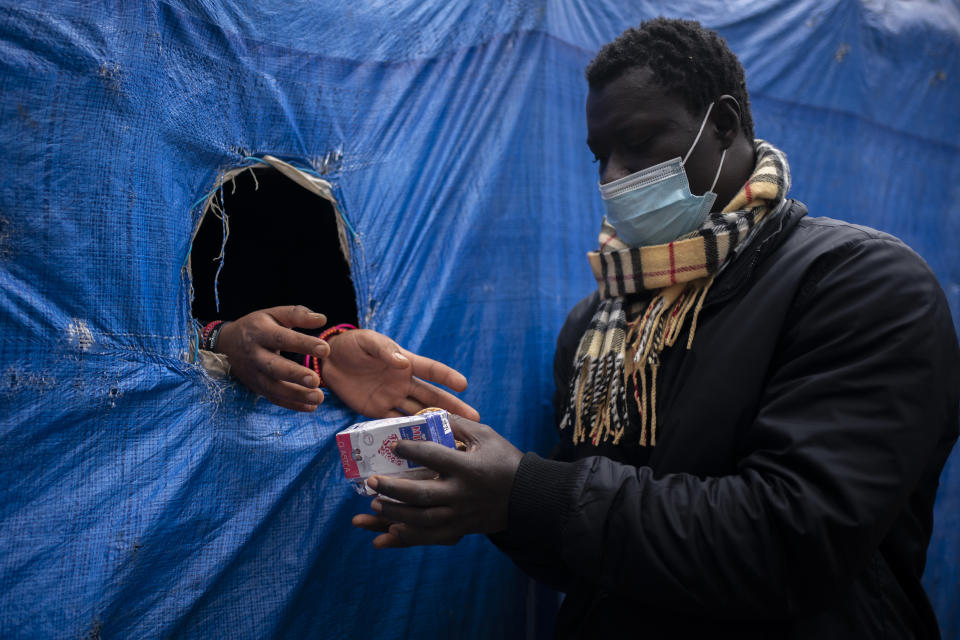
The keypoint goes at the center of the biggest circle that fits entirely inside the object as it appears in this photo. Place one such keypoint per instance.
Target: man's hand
(252, 345)
(379, 379)
(472, 494)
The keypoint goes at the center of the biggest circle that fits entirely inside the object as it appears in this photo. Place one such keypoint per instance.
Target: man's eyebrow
(640, 120)
(647, 126)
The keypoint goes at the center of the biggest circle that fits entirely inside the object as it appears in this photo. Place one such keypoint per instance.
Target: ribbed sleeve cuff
(541, 496)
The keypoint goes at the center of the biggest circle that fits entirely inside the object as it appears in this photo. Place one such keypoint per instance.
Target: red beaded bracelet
(312, 362)
(332, 331)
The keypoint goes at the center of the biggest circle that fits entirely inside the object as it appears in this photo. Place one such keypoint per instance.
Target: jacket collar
(782, 220)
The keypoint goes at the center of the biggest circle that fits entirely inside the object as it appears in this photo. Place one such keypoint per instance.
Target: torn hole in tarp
(269, 235)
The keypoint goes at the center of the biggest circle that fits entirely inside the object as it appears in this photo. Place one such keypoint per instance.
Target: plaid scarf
(624, 339)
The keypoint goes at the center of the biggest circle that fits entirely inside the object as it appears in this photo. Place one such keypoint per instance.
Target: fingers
(282, 381)
(422, 392)
(280, 338)
(382, 348)
(389, 352)
(409, 406)
(252, 343)
(297, 316)
(431, 455)
(437, 372)
(371, 522)
(294, 406)
(291, 396)
(401, 535)
(430, 396)
(380, 525)
(466, 429)
(429, 517)
(280, 369)
(387, 541)
(419, 493)
(393, 540)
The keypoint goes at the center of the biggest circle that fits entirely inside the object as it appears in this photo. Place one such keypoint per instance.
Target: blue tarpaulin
(143, 498)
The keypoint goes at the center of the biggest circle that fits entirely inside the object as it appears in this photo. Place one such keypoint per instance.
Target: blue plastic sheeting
(143, 499)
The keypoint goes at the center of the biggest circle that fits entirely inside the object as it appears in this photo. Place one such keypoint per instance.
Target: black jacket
(799, 445)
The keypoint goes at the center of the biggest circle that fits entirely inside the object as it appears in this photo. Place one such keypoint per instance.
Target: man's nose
(613, 170)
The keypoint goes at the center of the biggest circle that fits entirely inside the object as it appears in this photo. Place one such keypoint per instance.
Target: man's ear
(726, 119)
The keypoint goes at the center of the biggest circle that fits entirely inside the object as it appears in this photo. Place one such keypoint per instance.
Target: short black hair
(686, 59)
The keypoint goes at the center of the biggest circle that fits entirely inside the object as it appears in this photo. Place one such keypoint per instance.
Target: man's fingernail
(372, 482)
(308, 381)
(317, 316)
(399, 356)
(321, 350)
(376, 505)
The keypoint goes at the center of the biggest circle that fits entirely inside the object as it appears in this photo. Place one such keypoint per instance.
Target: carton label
(346, 456)
(365, 447)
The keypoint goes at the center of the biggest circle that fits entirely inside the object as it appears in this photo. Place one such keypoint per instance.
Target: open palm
(376, 377)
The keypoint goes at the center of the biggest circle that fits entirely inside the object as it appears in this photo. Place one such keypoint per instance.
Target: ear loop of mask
(694, 146)
(699, 133)
(717, 177)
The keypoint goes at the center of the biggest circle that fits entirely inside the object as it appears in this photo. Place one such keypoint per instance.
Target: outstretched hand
(252, 345)
(472, 494)
(376, 377)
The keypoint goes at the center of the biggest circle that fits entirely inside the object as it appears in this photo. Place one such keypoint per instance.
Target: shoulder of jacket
(823, 238)
(835, 246)
(803, 249)
(831, 233)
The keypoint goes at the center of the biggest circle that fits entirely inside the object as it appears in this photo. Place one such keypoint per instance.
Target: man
(754, 407)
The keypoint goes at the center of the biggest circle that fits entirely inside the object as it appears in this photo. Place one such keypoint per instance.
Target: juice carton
(365, 446)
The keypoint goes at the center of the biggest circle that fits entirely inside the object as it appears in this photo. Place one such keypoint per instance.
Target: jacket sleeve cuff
(540, 498)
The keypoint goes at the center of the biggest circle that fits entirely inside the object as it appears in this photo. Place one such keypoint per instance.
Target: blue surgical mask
(655, 205)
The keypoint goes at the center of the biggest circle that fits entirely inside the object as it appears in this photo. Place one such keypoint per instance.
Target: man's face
(633, 124)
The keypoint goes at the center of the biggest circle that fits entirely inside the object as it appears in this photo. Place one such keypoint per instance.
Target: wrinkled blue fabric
(143, 499)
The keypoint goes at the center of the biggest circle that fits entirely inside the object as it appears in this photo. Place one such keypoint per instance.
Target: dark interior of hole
(282, 249)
